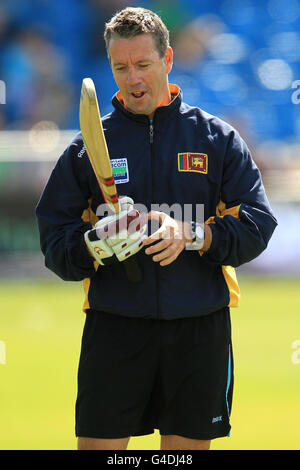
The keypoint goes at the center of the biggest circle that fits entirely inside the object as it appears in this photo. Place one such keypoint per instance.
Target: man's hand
(118, 236)
(173, 235)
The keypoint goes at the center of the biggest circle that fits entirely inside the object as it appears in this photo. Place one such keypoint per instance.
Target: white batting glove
(118, 236)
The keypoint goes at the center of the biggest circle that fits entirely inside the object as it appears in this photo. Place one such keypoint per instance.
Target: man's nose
(133, 77)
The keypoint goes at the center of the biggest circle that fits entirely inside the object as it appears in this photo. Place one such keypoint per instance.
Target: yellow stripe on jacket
(228, 271)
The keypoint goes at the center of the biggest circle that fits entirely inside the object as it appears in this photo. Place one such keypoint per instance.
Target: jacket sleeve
(59, 213)
(244, 222)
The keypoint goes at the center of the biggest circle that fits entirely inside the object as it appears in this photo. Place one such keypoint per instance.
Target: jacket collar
(176, 93)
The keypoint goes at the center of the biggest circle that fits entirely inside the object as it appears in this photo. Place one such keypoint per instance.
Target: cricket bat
(96, 148)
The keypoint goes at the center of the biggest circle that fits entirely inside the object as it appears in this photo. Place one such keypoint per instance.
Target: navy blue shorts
(137, 375)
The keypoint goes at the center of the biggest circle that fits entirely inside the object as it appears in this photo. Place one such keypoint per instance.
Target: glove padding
(119, 236)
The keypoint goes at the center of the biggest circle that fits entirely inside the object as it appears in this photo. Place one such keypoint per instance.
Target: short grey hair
(131, 22)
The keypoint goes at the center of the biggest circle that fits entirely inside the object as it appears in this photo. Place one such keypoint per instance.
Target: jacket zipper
(151, 131)
(151, 134)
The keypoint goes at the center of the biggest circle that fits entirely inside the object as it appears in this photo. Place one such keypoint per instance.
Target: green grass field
(40, 334)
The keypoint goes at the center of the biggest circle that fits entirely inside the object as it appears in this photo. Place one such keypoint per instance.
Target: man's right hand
(119, 236)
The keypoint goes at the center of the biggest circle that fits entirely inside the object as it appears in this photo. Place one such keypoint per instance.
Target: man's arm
(244, 221)
(59, 214)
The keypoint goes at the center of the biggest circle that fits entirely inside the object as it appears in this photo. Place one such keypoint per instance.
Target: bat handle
(132, 269)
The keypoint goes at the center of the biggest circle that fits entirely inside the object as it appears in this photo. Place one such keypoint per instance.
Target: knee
(87, 443)
(174, 442)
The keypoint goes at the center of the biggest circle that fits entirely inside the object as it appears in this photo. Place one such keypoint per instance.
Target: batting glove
(119, 236)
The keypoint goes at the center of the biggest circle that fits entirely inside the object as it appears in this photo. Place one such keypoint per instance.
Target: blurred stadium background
(238, 59)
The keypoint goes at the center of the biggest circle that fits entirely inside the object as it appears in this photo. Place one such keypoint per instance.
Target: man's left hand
(173, 235)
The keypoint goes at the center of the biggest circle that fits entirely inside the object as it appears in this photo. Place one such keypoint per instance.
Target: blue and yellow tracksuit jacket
(185, 156)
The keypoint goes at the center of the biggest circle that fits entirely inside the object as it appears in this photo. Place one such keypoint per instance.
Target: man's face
(139, 72)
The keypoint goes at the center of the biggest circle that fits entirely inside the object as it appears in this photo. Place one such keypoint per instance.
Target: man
(156, 354)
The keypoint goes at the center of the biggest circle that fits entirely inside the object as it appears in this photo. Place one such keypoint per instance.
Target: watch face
(199, 231)
(197, 236)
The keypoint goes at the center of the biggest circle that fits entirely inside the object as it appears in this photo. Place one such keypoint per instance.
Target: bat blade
(95, 144)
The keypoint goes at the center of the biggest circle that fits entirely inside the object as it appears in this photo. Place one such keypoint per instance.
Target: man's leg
(196, 382)
(173, 442)
(111, 402)
(88, 443)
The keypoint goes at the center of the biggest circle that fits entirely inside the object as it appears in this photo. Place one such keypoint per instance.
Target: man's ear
(169, 59)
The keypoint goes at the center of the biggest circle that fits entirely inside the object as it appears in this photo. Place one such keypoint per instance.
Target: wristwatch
(197, 236)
